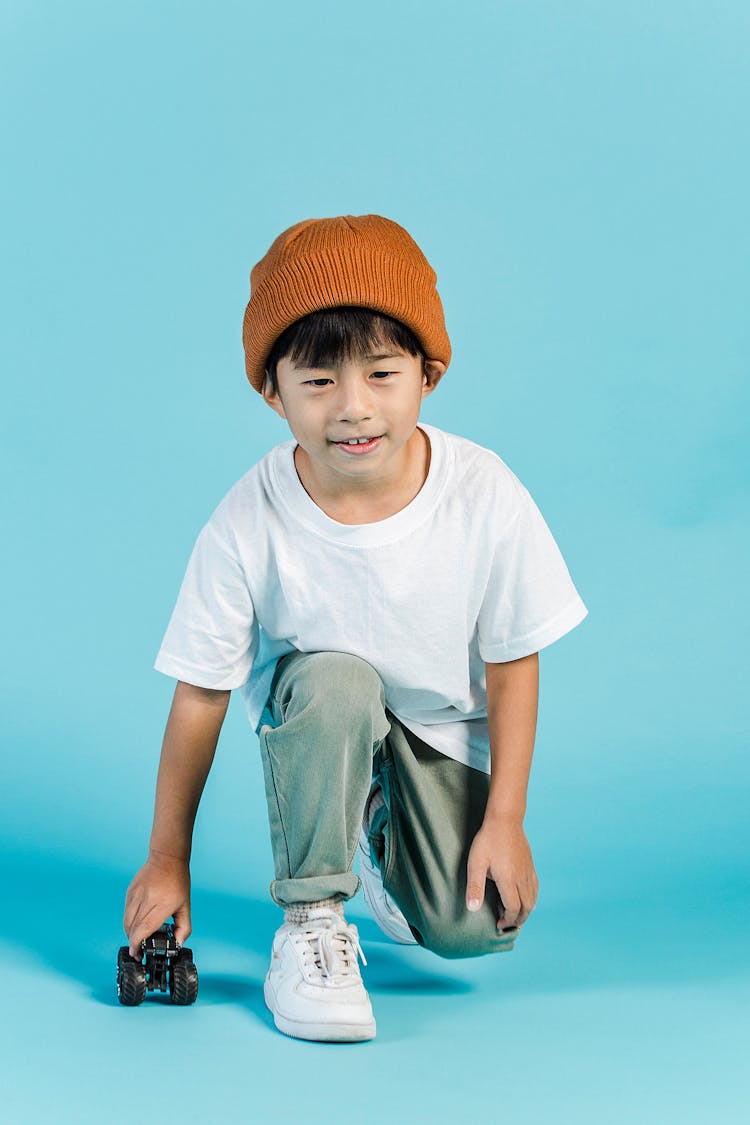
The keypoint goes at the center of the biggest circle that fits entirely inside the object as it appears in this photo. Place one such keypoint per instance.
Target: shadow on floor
(68, 915)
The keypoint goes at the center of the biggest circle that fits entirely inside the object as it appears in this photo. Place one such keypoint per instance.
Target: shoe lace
(329, 946)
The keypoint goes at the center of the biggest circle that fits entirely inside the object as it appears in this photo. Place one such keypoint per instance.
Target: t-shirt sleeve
(530, 600)
(212, 637)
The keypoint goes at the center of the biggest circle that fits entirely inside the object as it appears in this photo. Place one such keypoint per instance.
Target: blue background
(578, 175)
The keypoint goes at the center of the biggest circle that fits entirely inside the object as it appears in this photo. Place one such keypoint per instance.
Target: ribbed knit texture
(299, 911)
(362, 260)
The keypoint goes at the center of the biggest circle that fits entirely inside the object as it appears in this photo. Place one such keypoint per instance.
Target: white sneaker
(382, 907)
(314, 987)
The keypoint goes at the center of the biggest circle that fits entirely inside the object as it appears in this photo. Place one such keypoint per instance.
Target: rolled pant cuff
(287, 892)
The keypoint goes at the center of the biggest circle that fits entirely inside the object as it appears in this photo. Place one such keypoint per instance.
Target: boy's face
(376, 397)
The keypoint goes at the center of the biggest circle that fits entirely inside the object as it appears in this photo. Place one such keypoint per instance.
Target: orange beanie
(362, 260)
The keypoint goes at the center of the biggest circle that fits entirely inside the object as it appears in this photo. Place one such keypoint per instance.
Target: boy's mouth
(358, 446)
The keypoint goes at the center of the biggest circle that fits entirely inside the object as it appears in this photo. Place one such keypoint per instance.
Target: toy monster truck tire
(183, 983)
(131, 979)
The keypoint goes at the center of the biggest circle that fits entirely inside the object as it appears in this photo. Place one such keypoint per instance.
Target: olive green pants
(326, 735)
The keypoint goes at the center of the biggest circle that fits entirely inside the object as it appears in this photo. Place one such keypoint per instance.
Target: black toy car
(168, 967)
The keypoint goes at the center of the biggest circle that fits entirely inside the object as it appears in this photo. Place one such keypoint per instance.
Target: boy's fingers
(511, 906)
(182, 926)
(143, 926)
(476, 877)
(528, 900)
(134, 910)
(529, 891)
(129, 924)
(519, 920)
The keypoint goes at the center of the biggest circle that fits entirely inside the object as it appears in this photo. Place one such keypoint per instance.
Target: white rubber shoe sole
(319, 1032)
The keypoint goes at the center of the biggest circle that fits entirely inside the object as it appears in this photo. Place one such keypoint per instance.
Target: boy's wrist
(504, 815)
(162, 856)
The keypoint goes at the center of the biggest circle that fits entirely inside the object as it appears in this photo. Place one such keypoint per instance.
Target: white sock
(299, 911)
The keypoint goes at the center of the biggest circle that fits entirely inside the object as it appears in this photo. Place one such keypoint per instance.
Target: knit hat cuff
(343, 276)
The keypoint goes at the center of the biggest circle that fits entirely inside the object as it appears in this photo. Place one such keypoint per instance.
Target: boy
(378, 591)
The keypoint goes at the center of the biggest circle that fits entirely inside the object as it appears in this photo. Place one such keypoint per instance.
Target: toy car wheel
(131, 979)
(183, 982)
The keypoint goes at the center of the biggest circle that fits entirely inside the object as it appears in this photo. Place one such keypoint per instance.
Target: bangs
(343, 334)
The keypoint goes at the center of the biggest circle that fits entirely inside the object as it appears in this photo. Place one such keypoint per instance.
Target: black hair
(330, 336)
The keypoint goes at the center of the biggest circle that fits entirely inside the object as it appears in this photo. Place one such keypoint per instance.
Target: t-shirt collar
(304, 509)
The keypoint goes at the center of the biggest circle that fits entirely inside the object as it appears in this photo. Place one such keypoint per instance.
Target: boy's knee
(340, 688)
(344, 675)
(470, 936)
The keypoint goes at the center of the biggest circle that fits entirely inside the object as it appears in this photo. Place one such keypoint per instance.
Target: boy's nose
(354, 404)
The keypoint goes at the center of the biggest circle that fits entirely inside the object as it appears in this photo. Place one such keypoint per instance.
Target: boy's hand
(159, 890)
(501, 852)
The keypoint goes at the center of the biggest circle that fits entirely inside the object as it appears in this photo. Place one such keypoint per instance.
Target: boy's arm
(500, 850)
(162, 886)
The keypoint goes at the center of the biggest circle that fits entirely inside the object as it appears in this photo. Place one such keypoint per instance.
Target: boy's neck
(369, 501)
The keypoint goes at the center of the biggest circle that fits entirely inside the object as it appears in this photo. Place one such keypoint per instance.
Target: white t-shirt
(468, 572)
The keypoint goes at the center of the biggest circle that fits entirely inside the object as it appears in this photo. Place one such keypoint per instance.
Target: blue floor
(592, 1018)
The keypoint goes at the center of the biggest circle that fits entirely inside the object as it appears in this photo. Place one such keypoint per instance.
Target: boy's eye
(323, 381)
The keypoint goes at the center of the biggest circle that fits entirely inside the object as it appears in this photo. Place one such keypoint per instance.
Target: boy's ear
(432, 372)
(273, 398)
